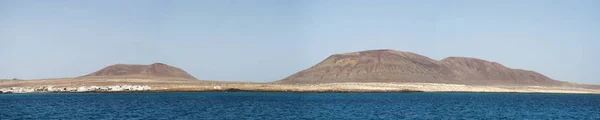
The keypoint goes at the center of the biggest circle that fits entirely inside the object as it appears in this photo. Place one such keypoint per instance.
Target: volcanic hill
(396, 66)
(156, 70)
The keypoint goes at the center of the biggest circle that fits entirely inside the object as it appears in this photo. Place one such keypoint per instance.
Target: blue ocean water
(262, 105)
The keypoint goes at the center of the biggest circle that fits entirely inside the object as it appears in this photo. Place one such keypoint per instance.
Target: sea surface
(263, 105)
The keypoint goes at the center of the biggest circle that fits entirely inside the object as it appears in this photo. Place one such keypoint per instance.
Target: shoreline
(324, 92)
(306, 91)
(158, 85)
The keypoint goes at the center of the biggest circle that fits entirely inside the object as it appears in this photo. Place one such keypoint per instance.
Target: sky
(267, 40)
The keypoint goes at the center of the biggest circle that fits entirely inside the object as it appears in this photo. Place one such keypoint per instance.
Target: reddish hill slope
(153, 70)
(396, 66)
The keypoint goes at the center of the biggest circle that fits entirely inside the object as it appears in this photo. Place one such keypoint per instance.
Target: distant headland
(364, 71)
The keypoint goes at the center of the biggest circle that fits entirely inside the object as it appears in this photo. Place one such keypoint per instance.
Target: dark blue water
(243, 105)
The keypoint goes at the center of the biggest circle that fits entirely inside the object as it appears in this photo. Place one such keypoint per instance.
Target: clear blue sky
(268, 40)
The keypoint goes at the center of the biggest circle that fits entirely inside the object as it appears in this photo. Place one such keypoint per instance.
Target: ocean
(280, 105)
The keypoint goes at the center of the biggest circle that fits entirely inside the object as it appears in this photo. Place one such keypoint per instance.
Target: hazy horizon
(263, 41)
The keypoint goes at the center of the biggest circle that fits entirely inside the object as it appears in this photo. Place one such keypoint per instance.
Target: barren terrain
(397, 66)
(364, 71)
(141, 71)
(187, 85)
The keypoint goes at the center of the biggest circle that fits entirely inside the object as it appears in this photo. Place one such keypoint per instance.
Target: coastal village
(116, 88)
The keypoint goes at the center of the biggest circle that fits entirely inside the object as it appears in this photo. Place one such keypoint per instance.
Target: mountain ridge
(386, 65)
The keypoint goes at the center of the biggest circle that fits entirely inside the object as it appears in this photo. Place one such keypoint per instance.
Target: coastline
(212, 86)
(259, 91)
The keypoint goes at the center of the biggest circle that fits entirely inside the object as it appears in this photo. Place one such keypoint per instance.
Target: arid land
(364, 71)
(174, 85)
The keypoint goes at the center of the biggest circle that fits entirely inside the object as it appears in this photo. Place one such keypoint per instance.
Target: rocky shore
(116, 88)
(159, 85)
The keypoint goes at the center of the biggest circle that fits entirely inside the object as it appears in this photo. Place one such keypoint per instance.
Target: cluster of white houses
(77, 89)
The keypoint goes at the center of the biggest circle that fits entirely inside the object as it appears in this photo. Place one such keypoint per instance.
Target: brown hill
(152, 71)
(395, 66)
